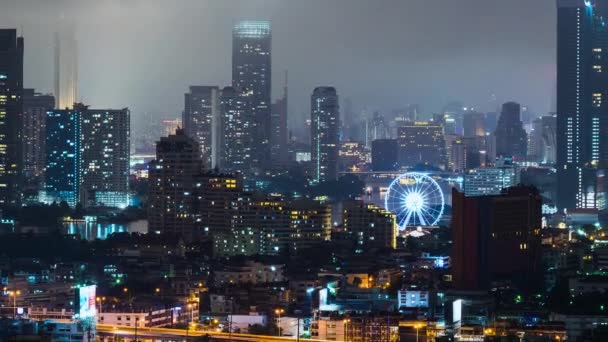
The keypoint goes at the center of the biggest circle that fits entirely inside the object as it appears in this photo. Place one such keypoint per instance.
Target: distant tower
(251, 72)
(582, 124)
(201, 108)
(279, 138)
(235, 145)
(511, 138)
(325, 121)
(11, 109)
(66, 68)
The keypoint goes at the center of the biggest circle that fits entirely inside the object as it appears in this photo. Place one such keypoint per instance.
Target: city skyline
(410, 69)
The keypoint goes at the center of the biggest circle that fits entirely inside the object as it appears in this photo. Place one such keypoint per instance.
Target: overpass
(107, 332)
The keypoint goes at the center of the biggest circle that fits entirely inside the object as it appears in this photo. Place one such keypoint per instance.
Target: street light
(14, 294)
(279, 311)
(417, 326)
(346, 321)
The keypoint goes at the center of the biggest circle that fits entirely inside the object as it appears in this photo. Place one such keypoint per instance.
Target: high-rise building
(170, 126)
(324, 132)
(251, 73)
(490, 180)
(582, 126)
(385, 154)
(172, 178)
(353, 156)
(63, 175)
(511, 138)
(421, 142)
(474, 124)
(105, 147)
(235, 146)
(369, 225)
(35, 107)
(201, 112)
(11, 114)
(280, 134)
(66, 67)
(542, 140)
(496, 238)
(87, 157)
(466, 153)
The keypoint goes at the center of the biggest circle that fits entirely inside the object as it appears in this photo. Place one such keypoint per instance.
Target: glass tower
(251, 73)
(11, 111)
(325, 120)
(582, 86)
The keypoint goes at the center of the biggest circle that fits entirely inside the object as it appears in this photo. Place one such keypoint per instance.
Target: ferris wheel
(416, 199)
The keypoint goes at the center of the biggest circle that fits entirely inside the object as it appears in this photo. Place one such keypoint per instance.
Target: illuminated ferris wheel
(416, 199)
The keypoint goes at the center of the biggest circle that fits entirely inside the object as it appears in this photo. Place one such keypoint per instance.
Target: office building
(496, 239)
(324, 132)
(251, 73)
(490, 180)
(63, 174)
(353, 156)
(582, 45)
(11, 111)
(200, 116)
(280, 135)
(542, 140)
(421, 142)
(105, 155)
(369, 226)
(236, 125)
(511, 138)
(66, 67)
(172, 177)
(170, 126)
(385, 154)
(474, 124)
(35, 106)
(466, 153)
(87, 157)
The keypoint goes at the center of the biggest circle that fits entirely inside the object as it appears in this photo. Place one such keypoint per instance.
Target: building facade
(11, 112)
(421, 142)
(251, 73)
(324, 132)
(201, 112)
(490, 180)
(496, 239)
(172, 177)
(35, 107)
(511, 138)
(369, 225)
(385, 154)
(236, 141)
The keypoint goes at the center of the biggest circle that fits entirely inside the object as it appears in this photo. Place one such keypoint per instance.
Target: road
(180, 334)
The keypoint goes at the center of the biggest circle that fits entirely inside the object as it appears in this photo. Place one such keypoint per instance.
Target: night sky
(382, 54)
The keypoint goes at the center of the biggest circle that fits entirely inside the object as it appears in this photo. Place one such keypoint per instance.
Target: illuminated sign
(85, 301)
(457, 311)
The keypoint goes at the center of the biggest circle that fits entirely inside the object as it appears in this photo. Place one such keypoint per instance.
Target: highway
(180, 334)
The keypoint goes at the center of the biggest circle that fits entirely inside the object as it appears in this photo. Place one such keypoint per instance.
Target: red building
(496, 239)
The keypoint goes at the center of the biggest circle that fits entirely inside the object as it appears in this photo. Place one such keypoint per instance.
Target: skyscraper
(325, 144)
(35, 106)
(511, 138)
(582, 124)
(370, 226)
(63, 176)
(279, 137)
(421, 142)
(201, 111)
(251, 73)
(11, 114)
(496, 238)
(474, 124)
(105, 156)
(66, 67)
(172, 178)
(87, 157)
(385, 153)
(235, 145)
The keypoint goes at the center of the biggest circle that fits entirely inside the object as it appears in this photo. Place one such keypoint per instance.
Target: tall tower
(511, 138)
(582, 88)
(279, 137)
(324, 130)
(201, 108)
(235, 144)
(251, 72)
(66, 68)
(11, 114)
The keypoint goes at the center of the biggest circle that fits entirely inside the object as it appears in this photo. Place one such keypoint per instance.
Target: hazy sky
(382, 54)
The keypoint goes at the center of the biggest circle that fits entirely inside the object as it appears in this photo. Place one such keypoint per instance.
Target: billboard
(457, 311)
(85, 302)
